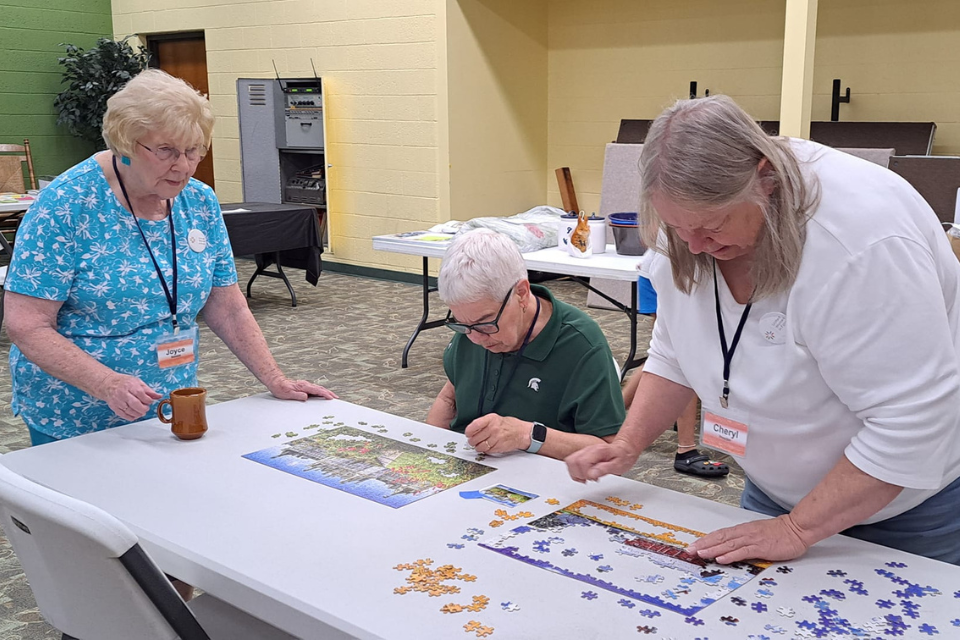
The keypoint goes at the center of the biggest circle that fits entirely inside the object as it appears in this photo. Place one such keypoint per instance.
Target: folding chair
(93, 581)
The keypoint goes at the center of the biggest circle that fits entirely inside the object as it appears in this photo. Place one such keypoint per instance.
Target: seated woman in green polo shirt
(525, 371)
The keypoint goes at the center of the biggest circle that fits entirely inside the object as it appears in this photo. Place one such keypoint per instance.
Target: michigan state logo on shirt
(534, 383)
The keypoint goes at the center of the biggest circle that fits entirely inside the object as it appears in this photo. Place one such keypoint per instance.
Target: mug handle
(164, 419)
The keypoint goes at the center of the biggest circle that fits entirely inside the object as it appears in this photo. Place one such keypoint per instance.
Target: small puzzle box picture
(371, 466)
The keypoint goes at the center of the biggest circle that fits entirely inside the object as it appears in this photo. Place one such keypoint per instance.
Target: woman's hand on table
(128, 396)
(494, 433)
(287, 389)
(776, 539)
(596, 461)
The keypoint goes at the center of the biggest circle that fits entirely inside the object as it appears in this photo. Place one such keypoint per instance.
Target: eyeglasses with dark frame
(166, 154)
(486, 328)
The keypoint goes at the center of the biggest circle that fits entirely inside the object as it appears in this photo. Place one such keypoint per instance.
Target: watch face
(539, 432)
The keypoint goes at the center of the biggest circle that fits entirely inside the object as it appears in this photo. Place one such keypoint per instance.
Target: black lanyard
(509, 379)
(727, 354)
(171, 299)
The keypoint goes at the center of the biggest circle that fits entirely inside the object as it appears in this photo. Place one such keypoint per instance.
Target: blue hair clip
(125, 160)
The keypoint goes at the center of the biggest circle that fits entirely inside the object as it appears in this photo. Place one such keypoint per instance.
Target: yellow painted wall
(458, 108)
(379, 62)
(900, 59)
(497, 106)
(613, 59)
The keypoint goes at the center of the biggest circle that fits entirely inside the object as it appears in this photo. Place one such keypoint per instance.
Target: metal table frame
(543, 261)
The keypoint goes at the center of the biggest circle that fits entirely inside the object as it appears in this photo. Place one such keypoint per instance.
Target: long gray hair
(704, 154)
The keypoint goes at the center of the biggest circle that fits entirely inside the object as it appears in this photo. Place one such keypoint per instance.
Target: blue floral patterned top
(77, 244)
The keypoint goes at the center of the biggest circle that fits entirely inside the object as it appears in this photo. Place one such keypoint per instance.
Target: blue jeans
(931, 529)
(37, 438)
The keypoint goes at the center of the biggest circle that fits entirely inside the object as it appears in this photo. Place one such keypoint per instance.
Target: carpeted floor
(347, 334)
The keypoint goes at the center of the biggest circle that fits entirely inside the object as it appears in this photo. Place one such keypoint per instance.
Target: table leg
(423, 325)
(262, 271)
(632, 361)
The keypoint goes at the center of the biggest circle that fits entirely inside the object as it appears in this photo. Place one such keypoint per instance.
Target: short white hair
(480, 265)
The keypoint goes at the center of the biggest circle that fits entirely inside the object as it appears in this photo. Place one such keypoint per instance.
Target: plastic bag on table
(531, 230)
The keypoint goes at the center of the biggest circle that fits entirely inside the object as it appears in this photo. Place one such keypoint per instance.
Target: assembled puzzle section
(626, 553)
(368, 465)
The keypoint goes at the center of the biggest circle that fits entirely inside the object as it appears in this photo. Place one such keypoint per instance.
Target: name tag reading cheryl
(727, 432)
(177, 349)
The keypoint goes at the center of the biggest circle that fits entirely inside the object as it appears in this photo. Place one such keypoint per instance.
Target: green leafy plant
(92, 76)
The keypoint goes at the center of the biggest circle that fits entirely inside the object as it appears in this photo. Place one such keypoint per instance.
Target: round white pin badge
(196, 240)
(773, 327)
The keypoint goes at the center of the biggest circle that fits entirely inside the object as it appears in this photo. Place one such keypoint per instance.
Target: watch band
(537, 437)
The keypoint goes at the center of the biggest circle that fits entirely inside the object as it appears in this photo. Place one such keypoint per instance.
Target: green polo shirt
(566, 378)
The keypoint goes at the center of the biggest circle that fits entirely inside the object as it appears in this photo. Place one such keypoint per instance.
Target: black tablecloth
(265, 229)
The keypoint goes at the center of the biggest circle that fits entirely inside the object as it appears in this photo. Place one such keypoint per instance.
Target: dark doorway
(184, 55)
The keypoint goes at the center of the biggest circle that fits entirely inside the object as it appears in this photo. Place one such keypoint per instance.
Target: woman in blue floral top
(101, 311)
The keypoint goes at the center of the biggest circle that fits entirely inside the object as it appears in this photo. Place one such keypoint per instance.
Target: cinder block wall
(30, 35)
(613, 59)
(379, 62)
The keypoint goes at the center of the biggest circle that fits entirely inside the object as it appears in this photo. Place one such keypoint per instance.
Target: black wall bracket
(693, 90)
(836, 99)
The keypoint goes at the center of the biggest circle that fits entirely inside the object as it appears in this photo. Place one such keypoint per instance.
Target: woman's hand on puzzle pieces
(774, 539)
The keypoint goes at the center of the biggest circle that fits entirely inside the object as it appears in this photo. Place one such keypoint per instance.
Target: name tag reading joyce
(174, 350)
(727, 433)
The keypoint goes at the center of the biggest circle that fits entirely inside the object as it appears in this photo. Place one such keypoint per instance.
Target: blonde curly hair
(155, 101)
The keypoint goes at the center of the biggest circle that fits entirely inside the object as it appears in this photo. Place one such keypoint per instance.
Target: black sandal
(695, 463)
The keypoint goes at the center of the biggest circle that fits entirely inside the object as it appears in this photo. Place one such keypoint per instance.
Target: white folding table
(320, 563)
(609, 265)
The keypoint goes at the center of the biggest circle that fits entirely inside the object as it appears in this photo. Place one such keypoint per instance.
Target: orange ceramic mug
(189, 414)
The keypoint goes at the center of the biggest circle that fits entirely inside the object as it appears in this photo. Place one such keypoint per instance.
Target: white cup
(564, 229)
(598, 234)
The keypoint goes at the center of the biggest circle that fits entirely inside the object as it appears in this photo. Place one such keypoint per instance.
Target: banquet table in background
(609, 265)
(287, 235)
(12, 208)
(320, 561)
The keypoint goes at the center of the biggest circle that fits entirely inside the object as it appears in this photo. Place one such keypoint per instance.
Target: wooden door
(185, 56)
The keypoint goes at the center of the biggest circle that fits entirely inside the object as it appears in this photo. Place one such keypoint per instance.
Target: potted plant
(92, 77)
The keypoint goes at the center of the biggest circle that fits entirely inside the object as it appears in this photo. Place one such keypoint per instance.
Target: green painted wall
(30, 34)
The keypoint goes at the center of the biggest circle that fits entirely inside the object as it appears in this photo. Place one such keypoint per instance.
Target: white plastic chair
(93, 581)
